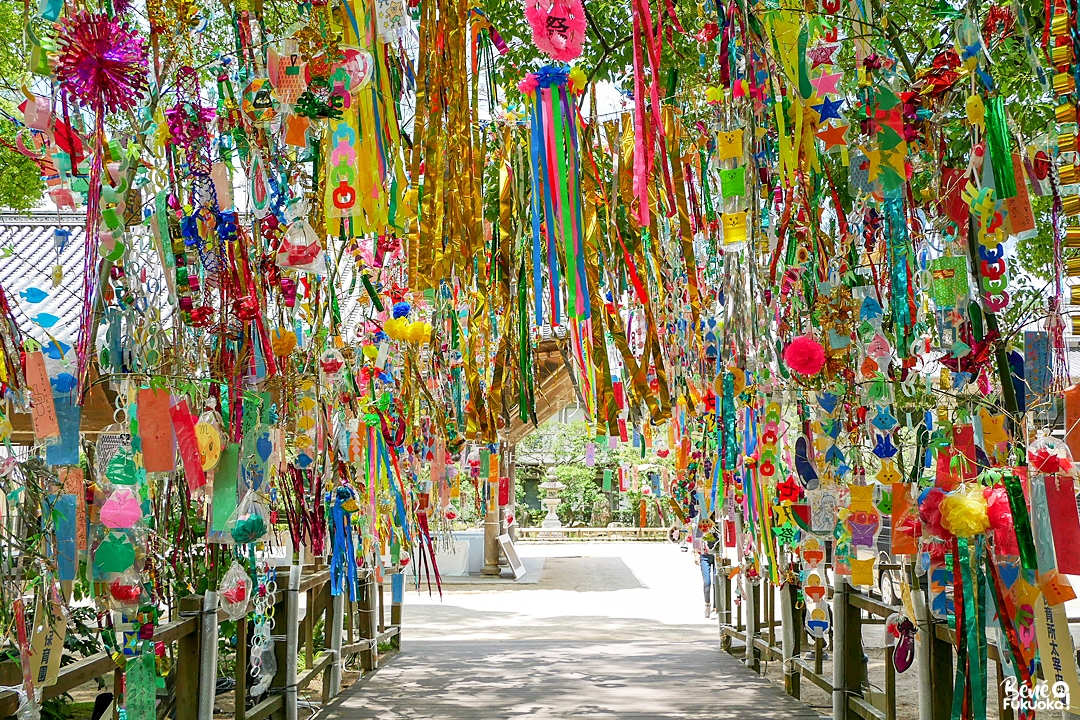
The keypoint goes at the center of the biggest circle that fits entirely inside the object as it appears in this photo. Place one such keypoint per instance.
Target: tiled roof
(29, 252)
(27, 256)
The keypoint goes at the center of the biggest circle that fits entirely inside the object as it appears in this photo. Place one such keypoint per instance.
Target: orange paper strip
(42, 409)
(75, 484)
(156, 431)
(903, 543)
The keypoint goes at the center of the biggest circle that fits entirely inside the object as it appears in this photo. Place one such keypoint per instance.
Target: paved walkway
(611, 630)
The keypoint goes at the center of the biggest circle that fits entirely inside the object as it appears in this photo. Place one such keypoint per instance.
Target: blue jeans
(708, 566)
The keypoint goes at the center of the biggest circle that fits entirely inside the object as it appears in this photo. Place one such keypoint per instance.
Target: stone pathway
(611, 630)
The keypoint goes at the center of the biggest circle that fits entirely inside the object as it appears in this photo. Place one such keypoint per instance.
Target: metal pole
(292, 628)
(208, 644)
(336, 628)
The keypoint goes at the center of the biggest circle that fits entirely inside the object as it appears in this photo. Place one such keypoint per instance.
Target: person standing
(705, 541)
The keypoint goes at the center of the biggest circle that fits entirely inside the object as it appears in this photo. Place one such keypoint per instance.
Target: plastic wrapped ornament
(235, 591)
(1049, 455)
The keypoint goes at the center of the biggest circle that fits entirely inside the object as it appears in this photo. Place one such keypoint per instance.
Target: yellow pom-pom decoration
(419, 331)
(371, 351)
(577, 80)
(283, 342)
(964, 512)
(396, 328)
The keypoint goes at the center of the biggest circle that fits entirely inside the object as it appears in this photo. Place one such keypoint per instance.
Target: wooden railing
(350, 629)
(768, 625)
(593, 533)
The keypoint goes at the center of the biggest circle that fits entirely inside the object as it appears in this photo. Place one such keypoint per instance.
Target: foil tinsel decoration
(998, 142)
(101, 62)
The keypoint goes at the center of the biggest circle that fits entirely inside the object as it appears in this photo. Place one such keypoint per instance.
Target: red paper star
(824, 54)
(833, 135)
(789, 490)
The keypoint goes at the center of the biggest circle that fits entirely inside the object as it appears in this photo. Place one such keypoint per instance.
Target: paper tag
(1072, 419)
(1037, 361)
(183, 424)
(225, 487)
(50, 629)
(42, 408)
(903, 543)
(1056, 649)
(75, 484)
(384, 351)
(155, 430)
(1065, 522)
(69, 416)
(1021, 218)
(140, 687)
(64, 511)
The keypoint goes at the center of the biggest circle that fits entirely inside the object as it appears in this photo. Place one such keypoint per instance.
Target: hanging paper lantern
(101, 62)
(558, 27)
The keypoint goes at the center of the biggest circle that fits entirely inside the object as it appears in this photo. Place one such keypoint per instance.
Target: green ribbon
(1021, 521)
(997, 140)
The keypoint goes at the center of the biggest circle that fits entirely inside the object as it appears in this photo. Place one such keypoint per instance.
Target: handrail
(340, 618)
(752, 624)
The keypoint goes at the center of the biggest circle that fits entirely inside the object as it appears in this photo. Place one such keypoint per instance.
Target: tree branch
(596, 30)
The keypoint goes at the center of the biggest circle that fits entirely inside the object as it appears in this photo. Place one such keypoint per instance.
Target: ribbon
(343, 559)
(1021, 521)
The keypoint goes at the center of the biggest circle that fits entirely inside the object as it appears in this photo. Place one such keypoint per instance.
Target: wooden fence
(350, 629)
(768, 626)
(655, 534)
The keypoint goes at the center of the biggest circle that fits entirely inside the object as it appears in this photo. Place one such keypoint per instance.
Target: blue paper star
(829, 109)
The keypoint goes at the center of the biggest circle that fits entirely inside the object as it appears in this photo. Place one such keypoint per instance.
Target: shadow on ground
(601, 679)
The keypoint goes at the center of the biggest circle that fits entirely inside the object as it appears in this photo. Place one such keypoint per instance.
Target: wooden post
(367, 618)
(397, 595)
(934, 658)
(771, 612)
(241, 674)
(382, 604)
(1006, 713)
(309, 630)
(187, 662)
(792, 627)
(845, 637)
(890, 683)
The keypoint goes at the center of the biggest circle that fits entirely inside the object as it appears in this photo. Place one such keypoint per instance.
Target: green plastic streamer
(960, 593)
(731, 444)
(969, 692)
(375, 299)
(997, 139)
(1021, 521)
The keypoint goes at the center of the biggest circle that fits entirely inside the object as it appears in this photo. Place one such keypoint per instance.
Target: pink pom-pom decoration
(930, 513)
(558, 27)
(101, 62)
(1001, 520)
(527, 86)
(805, 355)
